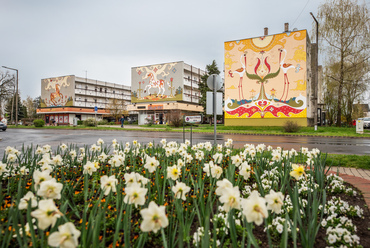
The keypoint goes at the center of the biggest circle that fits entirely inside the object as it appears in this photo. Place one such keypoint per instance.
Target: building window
(86, 87)
(96, 89)
(105, 90)
(95, 100)
(114, 91)
(85, 100)
(101, 89)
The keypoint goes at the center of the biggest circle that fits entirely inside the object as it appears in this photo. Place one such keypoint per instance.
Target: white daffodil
(9, 150)
(180, 163)
(207, 167)
(217, 158)
(222, 185)
(154, 218)
(57, 160)
(50, 189)
(236, 160)
(27, 229)
(230, 198)
(100, 142)
(23, 203)
(173, 172)
(216, 171)
(254, 208)
(151, 164)
(47, 214)
(274, 201)
(3, 168)
(102, 157)
(108, 184)
(66, 236)
(73, 154)
(163, 142)
(46, 148)
(40, 176)
(23, 170)
(11, 158)
(63, 147)
(47, 167)
(135, 194)
(39, 150)
(180, 190)
(245, 170)
(89, 168)
(130, 178)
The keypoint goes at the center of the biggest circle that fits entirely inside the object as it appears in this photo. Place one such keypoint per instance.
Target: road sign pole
(191, 134)
(214, 110)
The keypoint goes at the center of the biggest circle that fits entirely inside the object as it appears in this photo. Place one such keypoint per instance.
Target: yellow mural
(261, 73)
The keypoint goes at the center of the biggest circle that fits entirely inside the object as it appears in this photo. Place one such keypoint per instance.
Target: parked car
(3, 126)
(367, 122)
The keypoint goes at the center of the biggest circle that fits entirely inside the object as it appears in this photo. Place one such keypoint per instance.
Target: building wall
(58, 91)
(156, 83)
(266, 80)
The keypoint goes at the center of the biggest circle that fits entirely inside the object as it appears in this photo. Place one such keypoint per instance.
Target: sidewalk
(359, 178)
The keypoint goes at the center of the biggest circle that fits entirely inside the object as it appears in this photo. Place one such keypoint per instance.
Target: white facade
(91, 93)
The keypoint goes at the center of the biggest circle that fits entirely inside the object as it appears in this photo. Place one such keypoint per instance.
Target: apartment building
(157, 90)
(66, 97)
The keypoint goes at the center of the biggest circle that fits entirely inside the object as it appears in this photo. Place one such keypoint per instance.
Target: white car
(366, 122)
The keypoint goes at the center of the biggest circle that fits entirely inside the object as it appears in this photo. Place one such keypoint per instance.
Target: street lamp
(16, 96)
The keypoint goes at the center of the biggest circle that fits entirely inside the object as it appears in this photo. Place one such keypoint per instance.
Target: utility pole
(316, 71)
(16, 96)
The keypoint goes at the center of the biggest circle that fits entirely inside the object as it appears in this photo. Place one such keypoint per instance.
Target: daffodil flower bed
(172, 195)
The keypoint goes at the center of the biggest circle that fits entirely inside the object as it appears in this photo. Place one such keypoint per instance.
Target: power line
(300, 13)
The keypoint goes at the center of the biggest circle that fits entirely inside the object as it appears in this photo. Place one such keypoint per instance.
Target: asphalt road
(17, 137)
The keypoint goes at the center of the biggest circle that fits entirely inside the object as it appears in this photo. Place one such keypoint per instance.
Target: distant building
(157, 90)
(64, 98)
(271, 79)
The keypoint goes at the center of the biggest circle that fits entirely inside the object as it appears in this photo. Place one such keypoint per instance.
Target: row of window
(97, 89)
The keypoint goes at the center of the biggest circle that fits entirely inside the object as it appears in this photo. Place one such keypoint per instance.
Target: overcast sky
(106, 38)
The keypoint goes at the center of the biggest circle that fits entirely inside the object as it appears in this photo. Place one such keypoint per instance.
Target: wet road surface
(17, 137)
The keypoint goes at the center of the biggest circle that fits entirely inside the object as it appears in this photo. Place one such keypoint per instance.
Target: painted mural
(157, 83)
(57, 91)
(265, 77)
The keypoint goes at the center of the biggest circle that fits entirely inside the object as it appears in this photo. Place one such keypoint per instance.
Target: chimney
(266, 31)
(286, 27)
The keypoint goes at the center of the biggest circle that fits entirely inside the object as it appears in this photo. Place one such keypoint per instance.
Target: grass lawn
(353, 161)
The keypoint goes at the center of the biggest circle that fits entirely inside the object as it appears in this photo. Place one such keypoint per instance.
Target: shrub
(39, 123)
(89, 122)
(174, 118)
(291, 127)
(103, 122)
(79, 122)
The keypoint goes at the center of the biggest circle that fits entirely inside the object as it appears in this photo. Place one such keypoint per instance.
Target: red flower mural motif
(285, 110)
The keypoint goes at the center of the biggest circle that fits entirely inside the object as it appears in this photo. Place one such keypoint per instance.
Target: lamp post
(16, 96)
(316, 71)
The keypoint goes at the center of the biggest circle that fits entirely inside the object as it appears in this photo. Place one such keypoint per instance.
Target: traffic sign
(216, 79)
(193, 119)
(96, 109)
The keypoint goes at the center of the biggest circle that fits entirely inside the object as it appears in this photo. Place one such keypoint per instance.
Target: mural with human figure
(161, 82)
(57, 91)
(264, 75)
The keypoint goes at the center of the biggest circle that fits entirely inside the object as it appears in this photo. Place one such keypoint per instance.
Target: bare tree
(7, 83)
(117, 108)
(344, 30)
